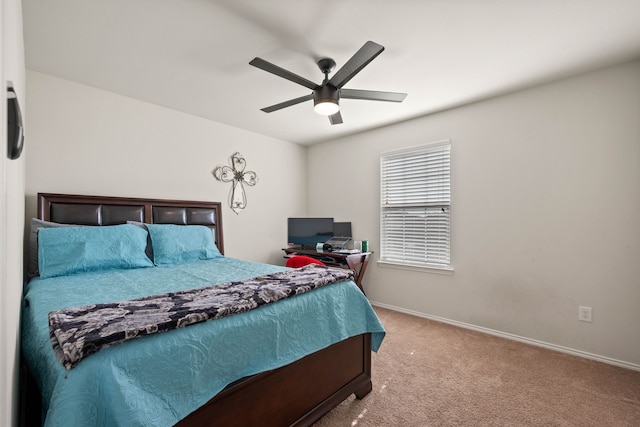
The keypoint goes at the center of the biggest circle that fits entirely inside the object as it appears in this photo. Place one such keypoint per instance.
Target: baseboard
(513, 337)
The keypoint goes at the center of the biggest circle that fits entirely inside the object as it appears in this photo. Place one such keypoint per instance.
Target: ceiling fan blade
(286, 104)
(281, 72)
(336, 118)
(357, 62)
(372, 95)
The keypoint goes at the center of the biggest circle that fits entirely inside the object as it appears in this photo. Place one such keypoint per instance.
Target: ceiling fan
(326, 96)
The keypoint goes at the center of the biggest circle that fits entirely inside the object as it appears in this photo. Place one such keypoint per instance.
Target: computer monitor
(307, 232)
(342, 229)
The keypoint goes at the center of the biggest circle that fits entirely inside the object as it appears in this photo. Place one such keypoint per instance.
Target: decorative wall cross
(238, 177)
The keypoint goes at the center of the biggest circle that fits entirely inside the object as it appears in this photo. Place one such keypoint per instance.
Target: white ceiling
(193, 55)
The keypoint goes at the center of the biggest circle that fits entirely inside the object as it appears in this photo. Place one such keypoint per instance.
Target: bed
(284, 363)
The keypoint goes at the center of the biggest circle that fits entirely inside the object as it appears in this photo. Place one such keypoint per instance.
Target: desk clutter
(323, 240)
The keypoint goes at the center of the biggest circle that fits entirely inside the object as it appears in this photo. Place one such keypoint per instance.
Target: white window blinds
(415, 200)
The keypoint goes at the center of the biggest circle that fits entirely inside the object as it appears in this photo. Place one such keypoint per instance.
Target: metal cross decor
(237, 176)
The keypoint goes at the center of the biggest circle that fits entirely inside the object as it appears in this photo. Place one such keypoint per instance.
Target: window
(415, 197)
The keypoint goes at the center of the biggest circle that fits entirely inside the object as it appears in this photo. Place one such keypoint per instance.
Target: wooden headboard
(97, 210)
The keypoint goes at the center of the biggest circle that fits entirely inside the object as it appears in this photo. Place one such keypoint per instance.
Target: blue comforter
(158, 380)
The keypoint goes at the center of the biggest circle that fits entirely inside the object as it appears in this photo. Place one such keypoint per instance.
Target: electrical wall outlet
(584, 314)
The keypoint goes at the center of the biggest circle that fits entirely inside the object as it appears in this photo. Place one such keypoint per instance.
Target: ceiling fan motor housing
(326, 93)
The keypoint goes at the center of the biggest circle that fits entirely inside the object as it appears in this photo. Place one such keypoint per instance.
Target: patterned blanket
(79, 332)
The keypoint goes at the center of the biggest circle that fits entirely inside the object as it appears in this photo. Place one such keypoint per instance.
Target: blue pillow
(69, 250)
(178, 244)
(36, 225)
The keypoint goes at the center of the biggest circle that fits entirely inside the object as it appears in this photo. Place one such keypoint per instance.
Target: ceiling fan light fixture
(326, 108)
(325, 100)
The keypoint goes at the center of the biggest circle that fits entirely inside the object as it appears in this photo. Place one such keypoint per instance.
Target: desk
(357, 262)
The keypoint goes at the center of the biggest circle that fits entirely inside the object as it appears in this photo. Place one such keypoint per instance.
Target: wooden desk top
(356, 261)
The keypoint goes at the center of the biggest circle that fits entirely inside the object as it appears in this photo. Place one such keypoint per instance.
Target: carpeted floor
(433, 374)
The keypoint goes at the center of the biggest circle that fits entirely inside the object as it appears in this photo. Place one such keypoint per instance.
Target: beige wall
(11, 214)
(545, 208)
(88, 141)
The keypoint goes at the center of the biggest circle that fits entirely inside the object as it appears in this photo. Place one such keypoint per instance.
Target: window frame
(426, 205)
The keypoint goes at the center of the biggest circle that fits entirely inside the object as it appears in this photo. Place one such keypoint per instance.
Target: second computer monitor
(342, 229)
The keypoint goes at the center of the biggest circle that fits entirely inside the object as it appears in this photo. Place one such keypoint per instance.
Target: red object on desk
(298, 261)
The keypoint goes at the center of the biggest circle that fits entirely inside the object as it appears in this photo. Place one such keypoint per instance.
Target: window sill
(426, 269)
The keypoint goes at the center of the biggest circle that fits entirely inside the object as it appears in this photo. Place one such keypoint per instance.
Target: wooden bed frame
(297, 394)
